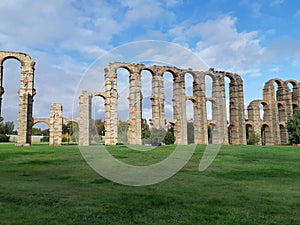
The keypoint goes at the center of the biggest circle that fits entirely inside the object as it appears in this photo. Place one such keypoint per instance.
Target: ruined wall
(55, 124)
(278, 106)
(26, 93)
(220, 133)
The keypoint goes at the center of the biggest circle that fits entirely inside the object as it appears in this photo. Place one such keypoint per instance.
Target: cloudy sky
(257, 39)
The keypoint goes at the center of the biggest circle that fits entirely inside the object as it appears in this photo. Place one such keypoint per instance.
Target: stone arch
(26, 93)
(266, 135)
(266, 111)
(219, 115)
(84, 122)
(250, 133)
(40, 120)
(36, 121)
(236, 115)
(269, 90)
(293, 95)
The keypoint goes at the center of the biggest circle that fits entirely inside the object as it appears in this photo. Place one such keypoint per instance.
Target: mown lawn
(244, 185)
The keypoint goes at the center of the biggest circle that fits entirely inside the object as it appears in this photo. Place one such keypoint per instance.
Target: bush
(253, 139)
(4, 138)
(293, 127)
(157, 136)
(169, 138)
(45, 139)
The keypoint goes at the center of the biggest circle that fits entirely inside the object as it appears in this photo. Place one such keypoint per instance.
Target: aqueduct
(278, 106)
(26, 93)
(199, 99)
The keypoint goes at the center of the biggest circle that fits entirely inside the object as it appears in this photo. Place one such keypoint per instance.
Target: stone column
(135, 107)
(220, 132)
(179, 107)
(236, 108)
(1, 90)
(296, 94)
(254, 116)
(157, 98)
(55, 124)
(111, 106)
(200, 114)
(271, 114)
(85, 119)
(241, 115)
(26, 93)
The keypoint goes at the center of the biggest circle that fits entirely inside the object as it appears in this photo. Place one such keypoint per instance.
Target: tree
(123, 132)
(169, 138)
(293, 127)
(157, 136)
(7, 127)
(99, 124)
(146, 133)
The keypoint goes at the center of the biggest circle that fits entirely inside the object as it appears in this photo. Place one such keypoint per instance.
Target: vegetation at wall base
(244, 185)
(294, 128)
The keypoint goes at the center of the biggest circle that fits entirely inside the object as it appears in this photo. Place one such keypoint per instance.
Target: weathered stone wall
(55, 124)
(278, 107)
(220, 131)
(26, 93)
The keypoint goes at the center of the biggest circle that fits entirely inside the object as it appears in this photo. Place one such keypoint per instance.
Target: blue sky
(259, 40)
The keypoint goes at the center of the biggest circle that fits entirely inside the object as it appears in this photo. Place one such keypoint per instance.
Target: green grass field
(244, 185)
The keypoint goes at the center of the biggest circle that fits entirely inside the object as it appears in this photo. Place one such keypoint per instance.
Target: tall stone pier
(26, 93)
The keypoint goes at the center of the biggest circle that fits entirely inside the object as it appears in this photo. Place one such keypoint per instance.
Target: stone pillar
(296, 94)
(157, 98)
(1, 89)
(220, 131)
(200, 114)
(271, 113)
(26, 93)
(179, 107)
(85, 119)
(111, 105)
(254, 116)
(135, 107)
(241, 119)
(55, 124)
(236, 109)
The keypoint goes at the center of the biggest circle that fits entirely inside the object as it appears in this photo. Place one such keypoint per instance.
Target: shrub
(157, 136)
(294, 128)
(45, 139)
(4, 138)
(169, 138)
(253, 139)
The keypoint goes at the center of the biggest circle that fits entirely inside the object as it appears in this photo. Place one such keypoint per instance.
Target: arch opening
(97, 120)
(168, 91)
(208, 86)
(40, 132)
(190, 122)
(189, 83)
(146, 80)
(123, 76)
(11, 85)
(266, 138)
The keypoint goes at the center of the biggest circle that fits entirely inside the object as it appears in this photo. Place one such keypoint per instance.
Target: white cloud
(297, 14)
(276, 3)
